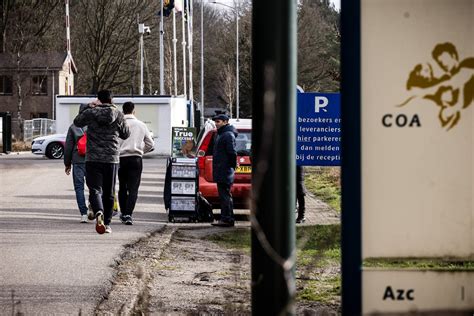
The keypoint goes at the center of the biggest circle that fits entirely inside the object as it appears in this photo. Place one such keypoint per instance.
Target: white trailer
(159, 113)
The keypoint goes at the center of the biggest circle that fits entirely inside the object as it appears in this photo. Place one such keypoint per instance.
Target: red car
(243, 174)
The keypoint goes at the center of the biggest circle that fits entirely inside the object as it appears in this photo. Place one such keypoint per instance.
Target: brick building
(41, 77)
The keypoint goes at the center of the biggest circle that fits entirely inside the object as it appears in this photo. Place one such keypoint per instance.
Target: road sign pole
(351, 173)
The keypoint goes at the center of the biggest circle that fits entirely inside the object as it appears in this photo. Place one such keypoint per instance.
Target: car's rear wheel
(55, 151)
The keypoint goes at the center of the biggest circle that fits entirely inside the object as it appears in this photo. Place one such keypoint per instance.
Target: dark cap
(222, 117)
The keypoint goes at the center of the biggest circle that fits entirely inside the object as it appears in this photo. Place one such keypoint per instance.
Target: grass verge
(432, 264)
(318, 277)
(325, 184)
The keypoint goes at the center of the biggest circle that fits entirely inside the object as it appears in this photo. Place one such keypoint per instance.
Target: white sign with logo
(417, 150)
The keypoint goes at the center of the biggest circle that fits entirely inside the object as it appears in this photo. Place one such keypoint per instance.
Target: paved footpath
(51, 263)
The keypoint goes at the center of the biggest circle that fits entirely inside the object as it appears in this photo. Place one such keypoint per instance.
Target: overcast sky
(337, 4)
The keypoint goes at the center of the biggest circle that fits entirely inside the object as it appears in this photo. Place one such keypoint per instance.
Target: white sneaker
(108, 230)
(99, 225)
(84, 218)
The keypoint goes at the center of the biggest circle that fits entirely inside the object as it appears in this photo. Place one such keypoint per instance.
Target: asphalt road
(50, 263)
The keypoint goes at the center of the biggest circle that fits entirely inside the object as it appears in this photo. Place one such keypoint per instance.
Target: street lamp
(236, 12)
(142, 29)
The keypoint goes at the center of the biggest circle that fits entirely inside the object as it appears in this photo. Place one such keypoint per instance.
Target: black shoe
(126, 219)
(222, 223)
(300, 220)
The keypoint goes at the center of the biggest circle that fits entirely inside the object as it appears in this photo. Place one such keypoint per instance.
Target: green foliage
(321, 237)
(323, 290)
(325, 184)
(436, 264)
(235, 239)
(317, 263)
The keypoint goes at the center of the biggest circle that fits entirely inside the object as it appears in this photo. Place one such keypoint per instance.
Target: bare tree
(227, 80)
(24, 25)
(108, 34)
(318, 46)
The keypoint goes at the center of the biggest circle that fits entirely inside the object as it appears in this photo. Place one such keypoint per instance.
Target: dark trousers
(129, 174)
(300, 190)
(100, 178)
(227, 205)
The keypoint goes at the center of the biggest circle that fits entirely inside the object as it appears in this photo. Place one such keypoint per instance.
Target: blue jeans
(227, 205)
(78, 178)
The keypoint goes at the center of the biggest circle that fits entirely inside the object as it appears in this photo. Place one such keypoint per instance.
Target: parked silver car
(51, 146)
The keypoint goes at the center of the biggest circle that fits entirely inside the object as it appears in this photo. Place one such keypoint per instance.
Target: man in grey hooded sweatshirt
(105, 125)
(77, 162)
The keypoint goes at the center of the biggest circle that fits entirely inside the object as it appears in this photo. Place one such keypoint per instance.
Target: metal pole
(141, 57)
(274, 151)
(190, 53)
(162, 64)
(351, 215)
(237, 59)
(53, 97)
(183, 43)
(175, 63)
(202, 63)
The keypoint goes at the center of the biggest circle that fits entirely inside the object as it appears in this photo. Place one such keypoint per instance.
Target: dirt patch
(176, 271)
(198, 277)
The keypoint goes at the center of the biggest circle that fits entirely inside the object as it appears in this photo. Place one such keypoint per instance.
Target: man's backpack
(82, 145)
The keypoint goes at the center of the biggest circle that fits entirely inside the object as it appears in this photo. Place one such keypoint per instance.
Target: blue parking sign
(318, 123)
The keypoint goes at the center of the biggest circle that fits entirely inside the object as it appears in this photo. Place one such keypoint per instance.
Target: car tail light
(208, 169)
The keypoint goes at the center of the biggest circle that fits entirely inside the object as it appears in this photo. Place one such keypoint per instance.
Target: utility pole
(237, 102)
(141, 30)
(202, 63)
(274, 156)
(162, 63)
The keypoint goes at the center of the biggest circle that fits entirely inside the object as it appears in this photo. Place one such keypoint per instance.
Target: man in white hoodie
(131, 166)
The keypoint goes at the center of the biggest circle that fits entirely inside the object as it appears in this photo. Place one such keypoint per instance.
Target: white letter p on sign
(320, 103)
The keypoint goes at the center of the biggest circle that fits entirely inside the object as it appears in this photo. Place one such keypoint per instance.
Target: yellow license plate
(244, 169)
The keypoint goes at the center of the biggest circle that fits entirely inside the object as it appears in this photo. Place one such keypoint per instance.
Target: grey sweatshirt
(70, 148)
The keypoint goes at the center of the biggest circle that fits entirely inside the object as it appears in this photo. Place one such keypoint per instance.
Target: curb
(129, 285)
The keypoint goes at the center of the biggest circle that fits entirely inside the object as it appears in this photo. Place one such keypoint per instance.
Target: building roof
(31, 61)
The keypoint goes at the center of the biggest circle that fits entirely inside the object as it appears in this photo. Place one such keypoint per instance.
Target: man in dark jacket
(105, 125)
(224, 162)
(77, 162)
(300, 194)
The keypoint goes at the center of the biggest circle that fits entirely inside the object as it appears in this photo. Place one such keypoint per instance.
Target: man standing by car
(224, 162)
(74, 159)
(131, 165)
(105, 125)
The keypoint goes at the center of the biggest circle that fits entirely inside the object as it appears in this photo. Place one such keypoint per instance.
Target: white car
(51, 146)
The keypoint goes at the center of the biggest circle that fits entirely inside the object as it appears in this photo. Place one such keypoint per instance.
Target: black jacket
(105, 125)
(224, 156)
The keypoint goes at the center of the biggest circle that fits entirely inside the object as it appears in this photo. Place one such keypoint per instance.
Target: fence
(38, 127)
